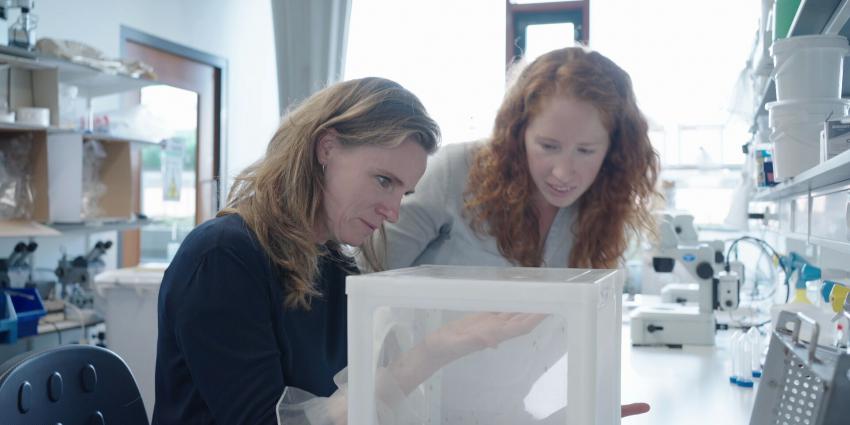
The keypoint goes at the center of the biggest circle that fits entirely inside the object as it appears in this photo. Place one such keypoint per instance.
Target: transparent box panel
(515, 376)
(484, 345)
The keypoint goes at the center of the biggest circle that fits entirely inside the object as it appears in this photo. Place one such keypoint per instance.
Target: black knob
(54, 387)
(704, 270)
(96, 419)
(25, 397)
(88, 378)
(654, 328)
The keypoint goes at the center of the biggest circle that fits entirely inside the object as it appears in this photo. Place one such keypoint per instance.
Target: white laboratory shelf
(107, 137)
(25, 228)
(115, 138)
(17, 61)
(18, 127)
(836, 170)
(93, 82)
(96, 226)
(838, 246)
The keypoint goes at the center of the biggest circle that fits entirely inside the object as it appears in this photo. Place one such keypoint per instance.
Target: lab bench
(688, 385)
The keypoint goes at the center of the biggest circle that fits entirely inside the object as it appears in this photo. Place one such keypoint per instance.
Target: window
(684, 69)
(447, 52)
(534, 28)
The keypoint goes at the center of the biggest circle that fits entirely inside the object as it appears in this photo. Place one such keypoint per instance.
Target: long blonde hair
(617, 204)
(280, 196)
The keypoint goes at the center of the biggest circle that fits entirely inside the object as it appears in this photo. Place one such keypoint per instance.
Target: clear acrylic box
(564, 370)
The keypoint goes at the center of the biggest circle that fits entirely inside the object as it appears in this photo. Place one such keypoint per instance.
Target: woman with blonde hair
(254, 300)
(566, 178)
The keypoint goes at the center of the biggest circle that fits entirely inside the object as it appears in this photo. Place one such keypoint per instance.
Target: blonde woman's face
(364, 186)
(565, 144)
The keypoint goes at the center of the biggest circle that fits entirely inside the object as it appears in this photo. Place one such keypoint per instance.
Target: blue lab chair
(69, 384)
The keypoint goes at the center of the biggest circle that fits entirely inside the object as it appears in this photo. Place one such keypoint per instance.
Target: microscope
(76, 276)
(15, 270)
(676, 324)
(685, 233)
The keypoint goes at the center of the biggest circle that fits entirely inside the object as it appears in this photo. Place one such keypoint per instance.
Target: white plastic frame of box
(580, 296)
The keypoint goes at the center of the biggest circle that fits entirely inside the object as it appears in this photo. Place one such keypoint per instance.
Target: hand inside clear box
(396, 385)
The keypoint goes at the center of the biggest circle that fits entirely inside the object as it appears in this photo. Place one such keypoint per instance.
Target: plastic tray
(8, 320)
(29, 308)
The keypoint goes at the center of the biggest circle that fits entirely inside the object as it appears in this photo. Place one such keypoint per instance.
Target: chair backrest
(69, 384)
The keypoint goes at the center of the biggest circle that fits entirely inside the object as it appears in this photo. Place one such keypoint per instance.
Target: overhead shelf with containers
(802, 119)
(804, 78)
(61, 165)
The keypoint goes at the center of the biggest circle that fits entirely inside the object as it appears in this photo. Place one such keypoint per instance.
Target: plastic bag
(93, 187)
(16, 193)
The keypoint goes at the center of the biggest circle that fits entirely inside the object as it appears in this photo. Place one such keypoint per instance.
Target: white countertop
(688, 385)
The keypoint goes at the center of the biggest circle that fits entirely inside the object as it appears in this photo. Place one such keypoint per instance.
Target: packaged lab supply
(835, 139)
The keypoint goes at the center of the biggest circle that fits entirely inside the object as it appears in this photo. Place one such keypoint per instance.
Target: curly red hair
(498, 199)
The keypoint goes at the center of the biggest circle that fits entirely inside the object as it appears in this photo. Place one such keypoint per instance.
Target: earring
(324, 168)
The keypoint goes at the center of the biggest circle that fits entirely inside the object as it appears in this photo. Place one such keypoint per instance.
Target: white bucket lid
(134, 276)
(783, 45)
(801, 103)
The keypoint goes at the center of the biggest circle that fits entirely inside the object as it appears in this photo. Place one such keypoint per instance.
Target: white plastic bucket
(792, 155)
(127, 300)
(809, 67)
(784, 112)
(795, 132)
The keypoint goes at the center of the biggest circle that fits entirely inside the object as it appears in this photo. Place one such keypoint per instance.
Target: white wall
(237, 30)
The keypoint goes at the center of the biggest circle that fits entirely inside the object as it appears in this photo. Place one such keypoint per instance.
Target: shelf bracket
(839, 19)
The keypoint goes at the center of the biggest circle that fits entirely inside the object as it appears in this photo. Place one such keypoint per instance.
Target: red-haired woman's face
(565, 144)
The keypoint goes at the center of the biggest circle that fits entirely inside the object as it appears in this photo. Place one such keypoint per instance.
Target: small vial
(754, 337)
(733, 357)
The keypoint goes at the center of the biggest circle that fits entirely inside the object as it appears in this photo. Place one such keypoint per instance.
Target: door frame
(126, 253)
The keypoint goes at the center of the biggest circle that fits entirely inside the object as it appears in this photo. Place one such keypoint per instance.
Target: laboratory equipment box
(484, 345)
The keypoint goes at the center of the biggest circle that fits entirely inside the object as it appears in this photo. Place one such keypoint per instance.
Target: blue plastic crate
(8, 320)
(29, 308)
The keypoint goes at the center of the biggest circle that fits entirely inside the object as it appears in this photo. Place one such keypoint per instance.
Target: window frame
(520, 16)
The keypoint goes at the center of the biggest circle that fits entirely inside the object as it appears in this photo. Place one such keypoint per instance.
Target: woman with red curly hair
(566, 178)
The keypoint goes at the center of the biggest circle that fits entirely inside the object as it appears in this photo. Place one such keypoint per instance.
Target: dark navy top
(227, 346)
